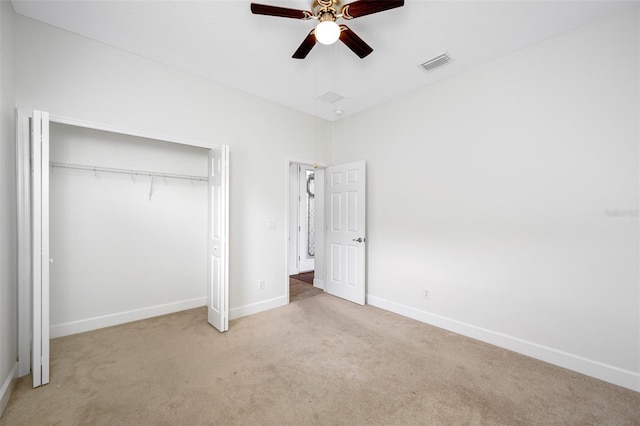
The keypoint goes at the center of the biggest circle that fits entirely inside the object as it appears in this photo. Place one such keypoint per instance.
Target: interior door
(218, 230)
(345, 202)
(40, 247)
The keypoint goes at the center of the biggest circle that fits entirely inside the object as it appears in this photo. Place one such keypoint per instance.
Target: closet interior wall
(124, 246)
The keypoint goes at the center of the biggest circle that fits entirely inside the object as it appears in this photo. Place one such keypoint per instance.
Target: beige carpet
(317, 361)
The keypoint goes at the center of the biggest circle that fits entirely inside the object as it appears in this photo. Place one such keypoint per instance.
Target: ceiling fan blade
(353, 42)
(306, 46)
(367, 7)
(284, 12)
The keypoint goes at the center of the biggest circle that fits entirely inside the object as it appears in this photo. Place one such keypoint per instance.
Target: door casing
(318, 280)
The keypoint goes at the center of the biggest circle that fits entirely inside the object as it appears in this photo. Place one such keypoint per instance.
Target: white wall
(118, 253)
(495, 189)
(75, 77)
(491, 188)
(8, 236)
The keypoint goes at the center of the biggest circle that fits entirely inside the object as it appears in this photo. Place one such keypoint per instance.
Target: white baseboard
(318, 284)
(7, 388)
(66, 329)
(254, 308)
(608, 373)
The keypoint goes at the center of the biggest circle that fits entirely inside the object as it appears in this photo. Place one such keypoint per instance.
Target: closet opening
(114, 226)
(128, 227)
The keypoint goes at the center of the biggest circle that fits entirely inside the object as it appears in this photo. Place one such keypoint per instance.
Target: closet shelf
(124, 171)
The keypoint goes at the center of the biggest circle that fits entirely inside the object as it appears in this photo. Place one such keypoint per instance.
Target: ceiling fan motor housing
(323, 7)
(326, 16)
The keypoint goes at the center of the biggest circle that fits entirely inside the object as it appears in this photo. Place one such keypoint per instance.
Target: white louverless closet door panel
(218, 230)
(40, 247)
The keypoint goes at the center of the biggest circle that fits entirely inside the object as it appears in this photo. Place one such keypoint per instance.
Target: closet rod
(124, 171)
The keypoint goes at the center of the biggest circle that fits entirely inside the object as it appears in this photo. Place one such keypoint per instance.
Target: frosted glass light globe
(327, 32)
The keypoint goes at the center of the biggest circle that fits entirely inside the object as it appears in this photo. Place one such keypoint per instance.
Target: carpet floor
(321, 360)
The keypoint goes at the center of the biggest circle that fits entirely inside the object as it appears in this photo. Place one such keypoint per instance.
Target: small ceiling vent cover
(436, 62)
(330, 97)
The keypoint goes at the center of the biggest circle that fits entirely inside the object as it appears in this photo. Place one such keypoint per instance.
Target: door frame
(319, 277)
(293, 224)
(23, 171)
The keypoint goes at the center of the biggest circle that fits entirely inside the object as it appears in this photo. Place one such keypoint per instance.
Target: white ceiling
(222, 41)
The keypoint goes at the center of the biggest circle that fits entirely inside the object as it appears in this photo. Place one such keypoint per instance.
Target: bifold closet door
(218, 242)
(40, 247)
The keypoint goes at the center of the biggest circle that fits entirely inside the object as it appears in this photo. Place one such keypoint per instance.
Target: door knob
(358, 240)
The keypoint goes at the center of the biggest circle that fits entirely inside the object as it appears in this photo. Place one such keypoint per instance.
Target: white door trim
(293, 224)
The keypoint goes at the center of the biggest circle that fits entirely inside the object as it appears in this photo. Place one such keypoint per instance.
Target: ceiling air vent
(330, 97)
(436, 62)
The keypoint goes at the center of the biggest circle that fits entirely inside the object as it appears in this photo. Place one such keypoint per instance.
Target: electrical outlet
(262, 285)
(425, 294)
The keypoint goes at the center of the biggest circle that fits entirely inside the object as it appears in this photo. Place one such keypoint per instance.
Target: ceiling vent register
(436, 62)
(330, 97)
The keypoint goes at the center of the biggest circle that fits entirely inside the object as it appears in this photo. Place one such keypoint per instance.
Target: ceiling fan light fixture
(326, 12)
(327, 32)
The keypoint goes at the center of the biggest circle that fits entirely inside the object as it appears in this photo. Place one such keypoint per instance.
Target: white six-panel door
(345, 236)
(218, 230)
(40, 247)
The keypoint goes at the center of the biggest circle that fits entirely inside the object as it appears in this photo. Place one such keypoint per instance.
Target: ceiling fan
(326, 12)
